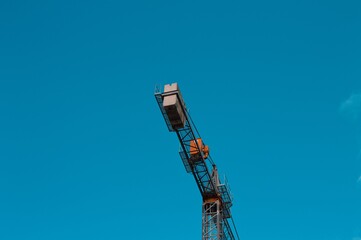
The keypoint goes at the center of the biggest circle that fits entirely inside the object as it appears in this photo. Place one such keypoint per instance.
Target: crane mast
(195, 156)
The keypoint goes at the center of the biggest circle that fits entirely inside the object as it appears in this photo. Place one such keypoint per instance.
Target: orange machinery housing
(203, 148)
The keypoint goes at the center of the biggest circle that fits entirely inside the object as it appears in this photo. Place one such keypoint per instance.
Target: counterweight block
(172, 105)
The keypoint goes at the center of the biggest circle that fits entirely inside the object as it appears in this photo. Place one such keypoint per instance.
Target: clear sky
(274, 88)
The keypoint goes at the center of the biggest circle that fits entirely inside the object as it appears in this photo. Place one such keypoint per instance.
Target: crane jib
(195, 157)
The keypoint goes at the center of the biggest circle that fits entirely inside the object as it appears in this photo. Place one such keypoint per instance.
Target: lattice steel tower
(217, 201)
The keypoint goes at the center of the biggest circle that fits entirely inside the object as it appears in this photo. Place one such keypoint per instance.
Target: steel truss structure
(216, 196)
(212, 228)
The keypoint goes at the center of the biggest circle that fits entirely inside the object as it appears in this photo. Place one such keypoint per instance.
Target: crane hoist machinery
(217, 221)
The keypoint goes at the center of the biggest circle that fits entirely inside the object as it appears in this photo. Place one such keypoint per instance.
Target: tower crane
(217, 221)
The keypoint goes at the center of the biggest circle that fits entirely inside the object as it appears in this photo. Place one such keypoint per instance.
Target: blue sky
(274, 88)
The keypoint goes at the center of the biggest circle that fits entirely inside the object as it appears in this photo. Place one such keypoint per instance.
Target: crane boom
(196, 159)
